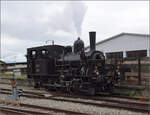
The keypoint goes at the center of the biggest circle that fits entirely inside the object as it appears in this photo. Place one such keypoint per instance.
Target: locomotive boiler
(71, 69)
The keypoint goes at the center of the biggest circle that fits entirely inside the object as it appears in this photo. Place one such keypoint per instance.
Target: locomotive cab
(40, 61)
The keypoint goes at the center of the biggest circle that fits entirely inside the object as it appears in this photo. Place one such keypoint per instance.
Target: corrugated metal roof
(113, 37)
(16, 63)
(2, 62)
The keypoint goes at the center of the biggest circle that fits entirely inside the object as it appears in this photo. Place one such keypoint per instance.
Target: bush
(9, 75)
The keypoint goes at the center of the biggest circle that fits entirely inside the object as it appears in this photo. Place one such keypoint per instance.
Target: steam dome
(78, 45)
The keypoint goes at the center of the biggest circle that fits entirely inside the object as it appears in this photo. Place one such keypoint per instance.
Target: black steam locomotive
(71, 69)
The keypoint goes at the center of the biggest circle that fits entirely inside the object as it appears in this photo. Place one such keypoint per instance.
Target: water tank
(78, 45)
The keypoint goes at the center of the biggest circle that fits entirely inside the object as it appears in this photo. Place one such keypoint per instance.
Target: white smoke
(69, 19)
(77, 10)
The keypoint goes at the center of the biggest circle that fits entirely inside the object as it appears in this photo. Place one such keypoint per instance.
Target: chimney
(92, 36)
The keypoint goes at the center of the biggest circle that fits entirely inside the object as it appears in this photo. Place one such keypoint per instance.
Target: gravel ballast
(92, 110)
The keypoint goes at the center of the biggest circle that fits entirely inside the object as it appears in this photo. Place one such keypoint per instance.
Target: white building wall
(125, 43)
(148, 50)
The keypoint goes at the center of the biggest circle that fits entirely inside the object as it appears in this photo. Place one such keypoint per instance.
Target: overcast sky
(27, 24)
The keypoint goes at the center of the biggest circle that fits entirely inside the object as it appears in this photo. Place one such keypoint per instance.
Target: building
(10, 67)
(18, 66)
(2, 66)
(125, 45)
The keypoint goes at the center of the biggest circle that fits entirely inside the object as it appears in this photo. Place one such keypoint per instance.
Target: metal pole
(139, 71)
(13, 77)
(0, 56)
(148, 47)
(52, 42)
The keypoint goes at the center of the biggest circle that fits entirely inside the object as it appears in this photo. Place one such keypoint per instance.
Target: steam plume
(78, 10)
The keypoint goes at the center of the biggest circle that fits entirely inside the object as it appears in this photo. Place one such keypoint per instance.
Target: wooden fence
(140, 70)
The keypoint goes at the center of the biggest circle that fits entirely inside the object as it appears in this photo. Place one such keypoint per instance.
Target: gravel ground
(92, 110)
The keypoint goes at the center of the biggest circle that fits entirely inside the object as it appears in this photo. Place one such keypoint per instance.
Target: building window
(136, 54)
(114, 55)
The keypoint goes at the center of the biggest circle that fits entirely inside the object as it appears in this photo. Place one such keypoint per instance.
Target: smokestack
(92, 36)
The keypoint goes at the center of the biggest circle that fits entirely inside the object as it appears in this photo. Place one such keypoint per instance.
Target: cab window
(44, 52)
(33, 54)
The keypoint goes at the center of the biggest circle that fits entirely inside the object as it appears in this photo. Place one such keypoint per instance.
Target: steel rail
(53, 109)
(39, 95)
(132, 106)
(80, 96)
(28, 92)
(33, 110)
(10, 112)
(28, 112)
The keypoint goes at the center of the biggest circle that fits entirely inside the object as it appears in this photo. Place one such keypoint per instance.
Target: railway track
(7, 111)
(98, 97)
(28, 109)
(4, 83)
(94, 101)
(114, 95)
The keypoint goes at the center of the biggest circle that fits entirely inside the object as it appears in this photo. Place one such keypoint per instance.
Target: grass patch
(8, 75)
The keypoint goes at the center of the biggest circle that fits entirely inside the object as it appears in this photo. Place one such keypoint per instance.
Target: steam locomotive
(71, 69)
